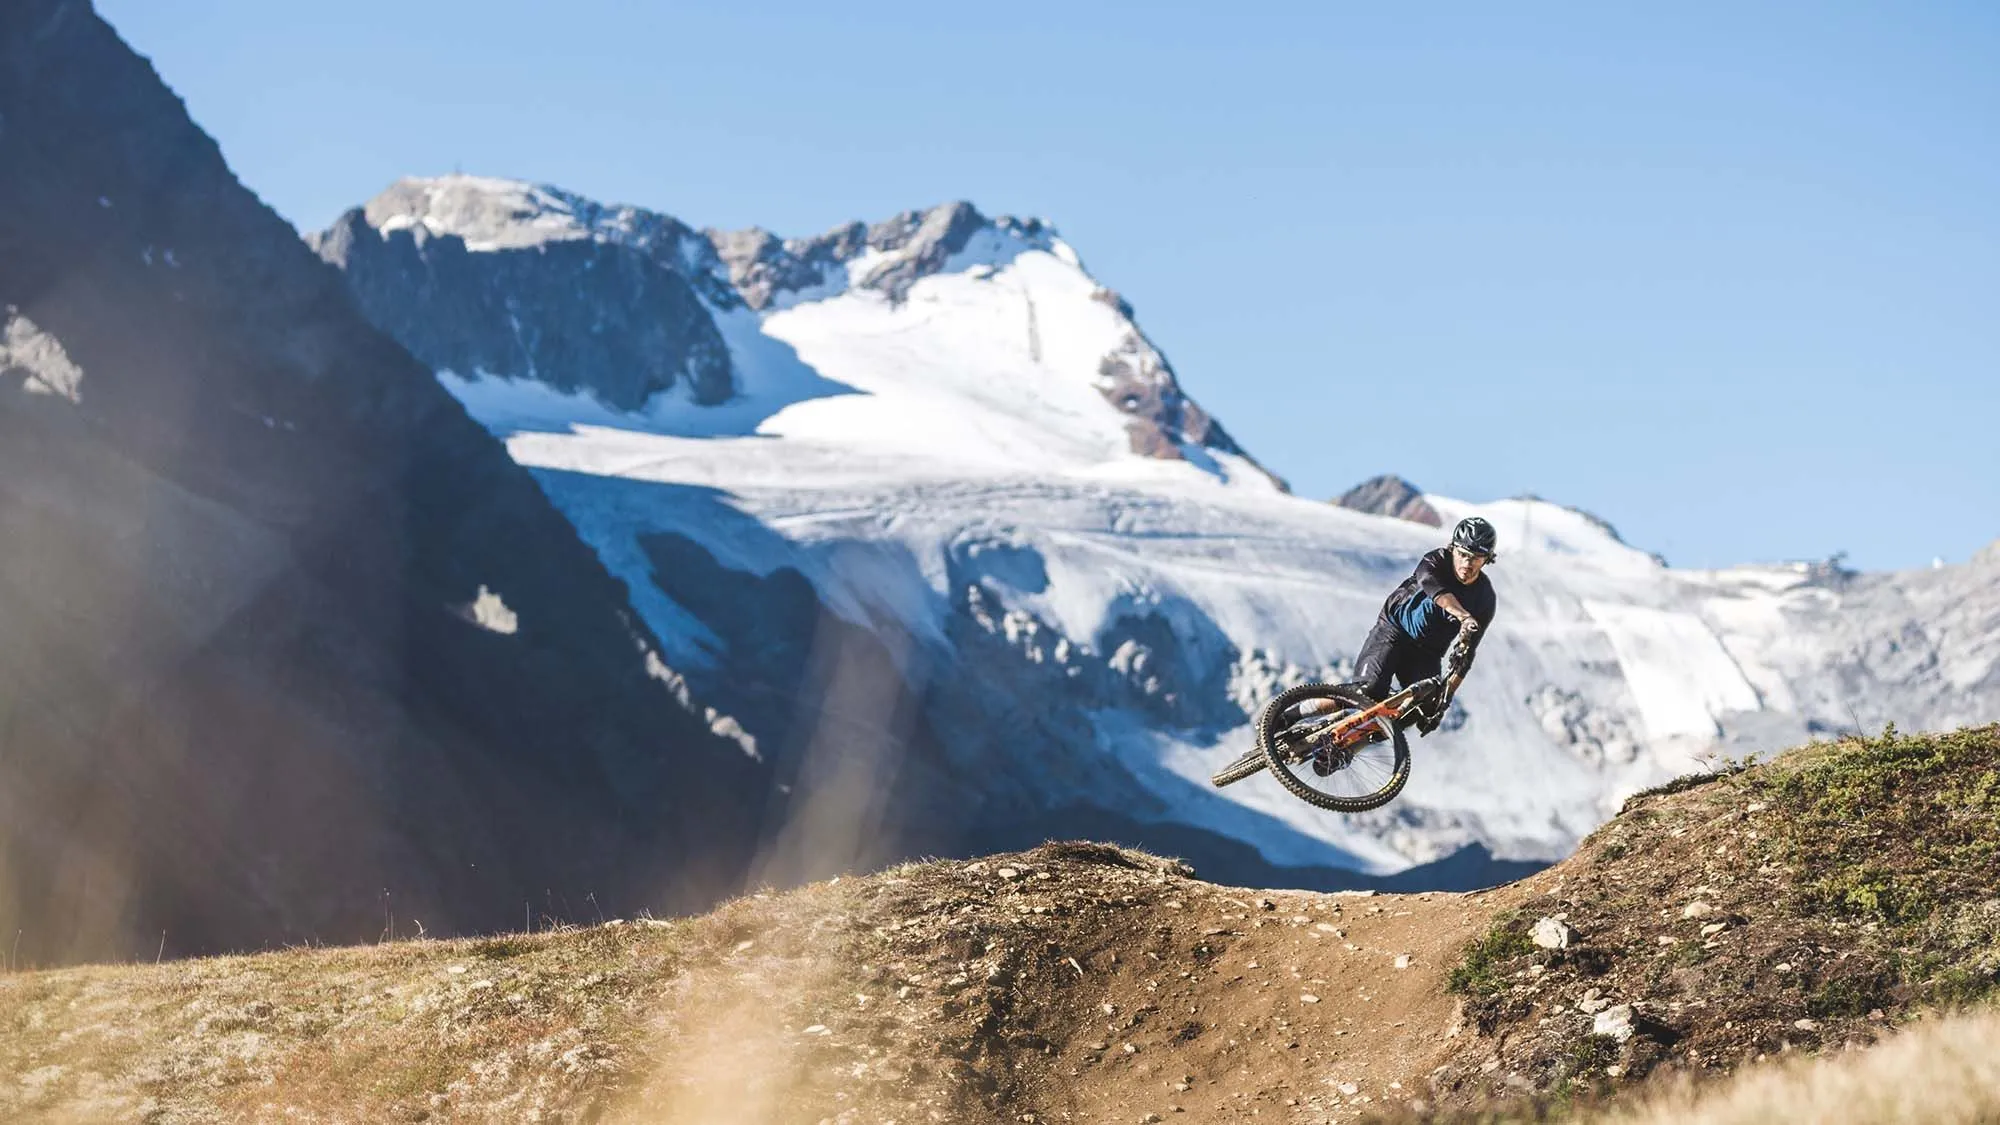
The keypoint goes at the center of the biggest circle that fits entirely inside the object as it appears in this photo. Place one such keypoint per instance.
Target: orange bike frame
(1391, 707)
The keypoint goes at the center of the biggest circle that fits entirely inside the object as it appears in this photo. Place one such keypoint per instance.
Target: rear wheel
(1364, 773)
(1239, 769)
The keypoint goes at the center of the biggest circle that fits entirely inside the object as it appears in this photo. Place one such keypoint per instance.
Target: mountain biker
(1434, 618)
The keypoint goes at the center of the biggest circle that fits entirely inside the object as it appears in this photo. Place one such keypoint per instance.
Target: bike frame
(1393, 708)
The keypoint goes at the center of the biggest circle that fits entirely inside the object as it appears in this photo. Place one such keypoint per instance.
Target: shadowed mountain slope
(290, 649)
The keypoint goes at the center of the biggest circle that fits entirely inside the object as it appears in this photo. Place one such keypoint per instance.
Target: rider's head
(1472, 543)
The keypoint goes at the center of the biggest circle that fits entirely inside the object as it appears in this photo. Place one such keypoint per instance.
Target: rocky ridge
(1810, 904)
(289, 646)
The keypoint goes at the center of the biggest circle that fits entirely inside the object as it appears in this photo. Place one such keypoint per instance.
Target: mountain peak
(889, 256)
(488, 213)
(1391, 495)
(482, 277)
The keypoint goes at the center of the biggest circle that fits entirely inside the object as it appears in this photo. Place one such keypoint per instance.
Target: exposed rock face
(761, 266)
(1391, 495)
(290, 649)
(920, 243)
(616, 319)
(906, 248)
(1165, 423)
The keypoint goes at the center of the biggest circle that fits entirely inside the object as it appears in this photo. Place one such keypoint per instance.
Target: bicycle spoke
(1367, 769)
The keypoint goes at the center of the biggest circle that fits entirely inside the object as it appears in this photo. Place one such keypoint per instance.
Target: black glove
(1429, 718)
(1432, 697)
(1458, 658)
(1461, 645)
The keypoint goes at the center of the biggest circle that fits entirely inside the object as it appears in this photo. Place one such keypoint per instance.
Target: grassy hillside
(1807, 904)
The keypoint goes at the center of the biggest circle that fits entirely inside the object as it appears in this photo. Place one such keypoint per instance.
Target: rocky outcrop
(618, 320)
(1391, 495)
(760, 266)
(1164, 423)
(903, 250)
(918, 244)
(289, 647)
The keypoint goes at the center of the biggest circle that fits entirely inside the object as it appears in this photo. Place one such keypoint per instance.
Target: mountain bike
(1351, 757)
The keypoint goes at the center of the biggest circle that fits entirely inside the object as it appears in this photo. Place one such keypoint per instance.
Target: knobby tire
(1239, 769)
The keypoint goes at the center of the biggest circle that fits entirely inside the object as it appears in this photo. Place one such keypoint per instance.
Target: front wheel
(1365, 772)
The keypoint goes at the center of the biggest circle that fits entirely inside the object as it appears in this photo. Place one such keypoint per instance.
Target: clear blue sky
(1727, 275)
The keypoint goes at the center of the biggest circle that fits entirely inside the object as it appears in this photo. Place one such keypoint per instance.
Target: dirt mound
(1071, 982)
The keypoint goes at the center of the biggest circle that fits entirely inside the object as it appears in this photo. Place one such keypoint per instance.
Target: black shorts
(1390, 653)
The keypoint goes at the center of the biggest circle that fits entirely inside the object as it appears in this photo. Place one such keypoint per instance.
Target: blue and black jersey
(1413, 607)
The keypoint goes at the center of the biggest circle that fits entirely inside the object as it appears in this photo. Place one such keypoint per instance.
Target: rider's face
(1466, 564)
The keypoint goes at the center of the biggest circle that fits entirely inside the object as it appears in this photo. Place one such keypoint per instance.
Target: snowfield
(900, 449)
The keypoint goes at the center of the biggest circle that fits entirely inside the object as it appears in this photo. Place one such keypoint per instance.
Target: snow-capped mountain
(921, 507)
(635, 312)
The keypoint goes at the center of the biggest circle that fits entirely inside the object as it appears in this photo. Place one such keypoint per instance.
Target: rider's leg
(1381, 655)
(1372, 669)
(1388, 654)
(1416, 665)
(1411, 664)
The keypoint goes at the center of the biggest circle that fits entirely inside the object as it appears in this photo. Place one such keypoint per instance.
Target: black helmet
(1475, 535)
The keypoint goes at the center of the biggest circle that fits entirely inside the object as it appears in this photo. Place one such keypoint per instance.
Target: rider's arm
(1468, 639)
(1433, 573)
(1451, 605)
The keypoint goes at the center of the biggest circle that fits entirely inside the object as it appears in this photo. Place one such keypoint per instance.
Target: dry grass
(520, 1027)
(1940, 1072)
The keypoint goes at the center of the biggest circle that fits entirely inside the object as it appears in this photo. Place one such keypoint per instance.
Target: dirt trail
(1307, 1013)
(1071, 983)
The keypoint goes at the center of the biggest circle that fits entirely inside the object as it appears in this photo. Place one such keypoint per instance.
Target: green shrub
(1481, 969)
